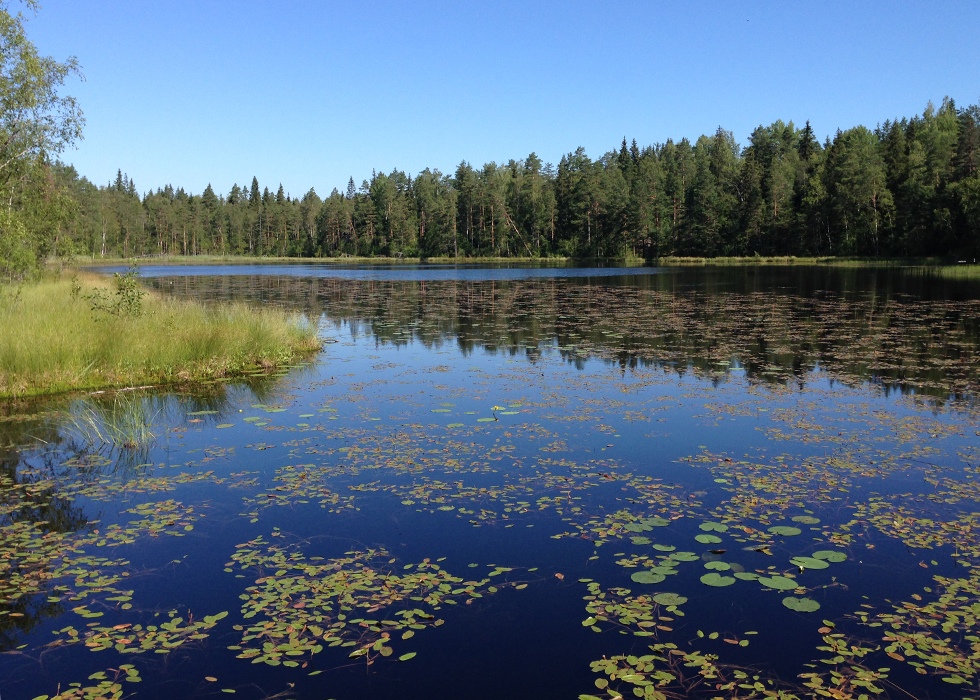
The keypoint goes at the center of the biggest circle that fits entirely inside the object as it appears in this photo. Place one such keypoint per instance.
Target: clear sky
(308, 93)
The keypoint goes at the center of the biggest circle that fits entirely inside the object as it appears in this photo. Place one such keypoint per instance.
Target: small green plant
(10, 296)
(126, 300)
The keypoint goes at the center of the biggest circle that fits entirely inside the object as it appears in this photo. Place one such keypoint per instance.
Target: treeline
(910, 187)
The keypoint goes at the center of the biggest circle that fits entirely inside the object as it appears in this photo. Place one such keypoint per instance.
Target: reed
(124, 421)
(82, 333)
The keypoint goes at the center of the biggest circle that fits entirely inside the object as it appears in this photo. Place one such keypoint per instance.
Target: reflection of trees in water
(25, 497)
(42, 451)
(876, 325)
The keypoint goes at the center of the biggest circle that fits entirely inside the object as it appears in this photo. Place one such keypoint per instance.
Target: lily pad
(780, 583)
(785, 530)
(708, 539)
(684, 556)
(717, 580)
(713, 527)
(805, 519)
(809, 563)
(717, 566)
(647, 577)
(804, 605)
(669, 599)
(831, 555)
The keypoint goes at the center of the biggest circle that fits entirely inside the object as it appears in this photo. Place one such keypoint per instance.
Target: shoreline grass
(54, 340)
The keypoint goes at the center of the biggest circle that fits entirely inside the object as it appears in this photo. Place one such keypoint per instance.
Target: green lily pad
(685, 556)
(640, 540)
(717, 566)
(669, 599)
(747, 575)
(708, 539)
(406, 657)
(647, 577)
(831, 555)
(717, 580)
(780, 583)
(805, 519)
(804, 605)
(786, 530)
(809, 563)
(954, 680)
(664, 547)
(713, 527)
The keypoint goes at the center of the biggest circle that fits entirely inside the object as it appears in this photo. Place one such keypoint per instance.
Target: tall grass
(124, 421)
(53, 340)
(956, 272)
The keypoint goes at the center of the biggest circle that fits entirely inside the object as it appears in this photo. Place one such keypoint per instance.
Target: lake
(537, 482)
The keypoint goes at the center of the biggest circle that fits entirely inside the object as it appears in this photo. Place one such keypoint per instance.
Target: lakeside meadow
(84, 331)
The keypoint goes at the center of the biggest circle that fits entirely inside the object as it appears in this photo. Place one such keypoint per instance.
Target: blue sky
(308, 93)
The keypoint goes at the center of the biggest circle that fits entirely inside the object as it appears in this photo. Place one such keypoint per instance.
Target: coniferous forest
(909, 187)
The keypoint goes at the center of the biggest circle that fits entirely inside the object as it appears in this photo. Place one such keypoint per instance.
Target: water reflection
(900, 329)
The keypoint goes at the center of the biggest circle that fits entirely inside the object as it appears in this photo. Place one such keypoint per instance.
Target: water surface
(524, 483)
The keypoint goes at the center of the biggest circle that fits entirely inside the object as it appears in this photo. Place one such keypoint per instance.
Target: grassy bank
(90, 332)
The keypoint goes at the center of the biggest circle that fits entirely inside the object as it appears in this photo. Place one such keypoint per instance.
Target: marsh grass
(125, 420)
(966, 271)
(55, 339)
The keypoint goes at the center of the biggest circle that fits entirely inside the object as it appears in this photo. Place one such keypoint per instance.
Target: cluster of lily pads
(106, 688)
(128, 638)
(297, 485)
(299, 605)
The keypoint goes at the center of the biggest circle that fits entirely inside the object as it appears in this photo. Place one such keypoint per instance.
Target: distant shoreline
(670, 261)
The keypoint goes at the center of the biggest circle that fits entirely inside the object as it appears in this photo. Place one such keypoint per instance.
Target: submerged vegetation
(87, 332)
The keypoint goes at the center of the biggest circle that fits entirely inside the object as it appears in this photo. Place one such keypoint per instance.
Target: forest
(908, 188)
